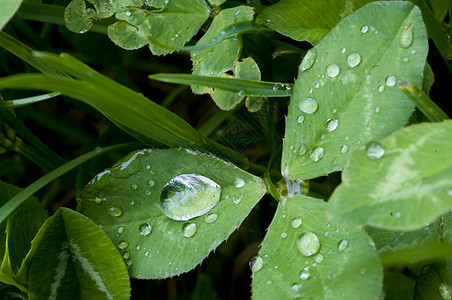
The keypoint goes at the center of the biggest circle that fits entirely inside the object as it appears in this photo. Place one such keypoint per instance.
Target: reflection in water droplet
(296, 222)
(115, 211)
(300, 119)
(390, 80)
(375, 150)
(308, 105)
(445, 291)
(305, 275)
(188, 196)
(342, 245)
(317, 154)
(134, 186)
(98, 200)
(189, 229)
(123, 245)
(145, 229)
(120, 229)
(381, 88)
(148, 167)
(332, 124)
(256, 263)
(318, 258)
(353, 59)
(406, 39)
(364, 29)
(308, 244)
(343, 50)
(125, 255)
(332, 70)
(210, 218)
(150, 182)
(236, 200)
(239, 182)
(344, 149)
(308, 60)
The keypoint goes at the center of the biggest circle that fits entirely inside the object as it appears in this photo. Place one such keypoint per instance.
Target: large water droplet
(332, 124)
(189, 229)
(210, 218)
(342, 245)
(296, 223)
(308, 105)
(332, 70)
(375, 150)
(188, 196)
(123, 245)
(406, 39)
(145, 229)
(115, 211)
(390, 80)
(344, 149)
(308, 60)
(308, 244)
(353, 59)
(317, 154)
(256, 263)
(445, 291)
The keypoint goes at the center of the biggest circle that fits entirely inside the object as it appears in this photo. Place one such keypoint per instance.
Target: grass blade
(26, 101)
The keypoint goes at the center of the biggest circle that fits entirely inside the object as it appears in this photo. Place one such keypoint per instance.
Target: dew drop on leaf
(308, 105)
(115, 211)
(318, 258)
(390, 80)
(406, 39)
(283, 235)
(98, 200)
(332, 70)
(308, 244)
(353, 59)
(150, 182)
(210, 218)
(445, 291)
(302, 150)
(239, 182)
(125, 255)
(344, 149)
(134, 186)
(342, 245)
(236, 200)
(145, 229)
(187, 196)
(381, 88)
(308, 60)
(120, 229)
(364, 28)
(305, 275)
(375, 150)
(296, 287)
(317, 154)
(300, 119)
(332, 124)
(189, 229)
(343, 50)
(296, 222)
(123, 245)
(256, 263)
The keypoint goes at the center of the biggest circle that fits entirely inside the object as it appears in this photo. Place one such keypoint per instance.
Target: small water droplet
(115, 211)
(148, 192)
(390, 80)
(344, 149)
(125, 255)
(123, 245)
(381, 88)
(343, 50)
(241, 93)
(210, 218)
(138, 247)
(236, 200)
(445, 291)
(413, 52)
(98, 200)
(322, 136)
(353, 59)
(317, 154)
(332, 70)
(189, 229)
(283, 235)
(129, 262)
(406, 59)
(331, 275)
(296, 223)
(364, 28)
(318, 258)
(308, 60)
(120, 229)
(363, 271)
(256, 263)
(342, 245)
(303, 149)
(308, 244)
(317, 85)
(398, 214)
(308, 105)
(148, 167)
(305, 275)
(132, 202)
(150, 182)
(377, 109)
(375, 150)
(300, 119)
(332, 124)
(145, 229)
(134, 186)
(128, 13)
(239, 182)
(406, 39)
(296, 287)
(188, 196)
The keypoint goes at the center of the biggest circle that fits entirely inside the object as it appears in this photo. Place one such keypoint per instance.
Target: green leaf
(430, 285)
(306, 20)
(401, 183)
(344, 265)
(222, 57)
(346, 93)
(18, 232)
(398, 286)
(125, 201)
(9, 8)
(71, 258)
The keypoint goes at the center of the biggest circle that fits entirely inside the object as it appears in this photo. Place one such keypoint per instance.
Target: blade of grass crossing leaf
(247, 87)
(26, 101)
(423, 102)
(17, 200)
